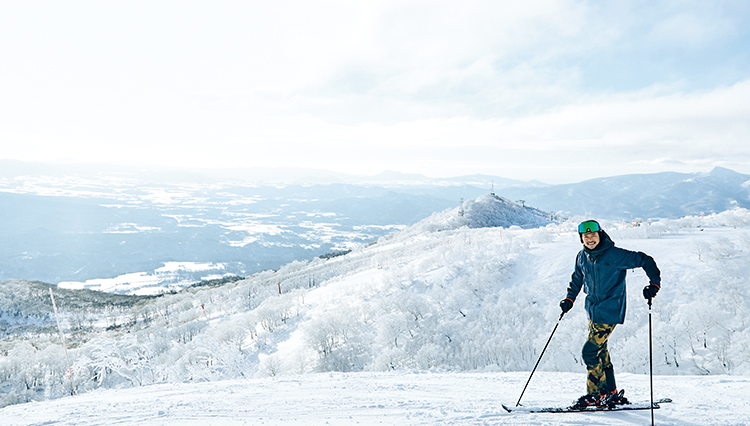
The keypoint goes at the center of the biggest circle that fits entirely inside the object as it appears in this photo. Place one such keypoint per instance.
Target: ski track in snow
(402, 398)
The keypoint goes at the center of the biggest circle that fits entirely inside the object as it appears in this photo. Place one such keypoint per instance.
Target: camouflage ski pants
(601, 375)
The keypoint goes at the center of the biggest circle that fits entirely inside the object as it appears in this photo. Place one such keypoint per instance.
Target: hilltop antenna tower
(492, 191)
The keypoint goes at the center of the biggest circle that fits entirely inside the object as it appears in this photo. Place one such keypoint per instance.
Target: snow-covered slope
(392, 398)
(438, 296)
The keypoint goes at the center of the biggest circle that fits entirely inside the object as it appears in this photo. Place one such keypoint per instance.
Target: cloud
(433, 87)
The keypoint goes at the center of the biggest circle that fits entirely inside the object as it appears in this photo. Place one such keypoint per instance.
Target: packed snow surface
(396, 398)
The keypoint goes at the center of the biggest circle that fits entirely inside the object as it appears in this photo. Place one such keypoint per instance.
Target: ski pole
(650, 360)
(540, 358)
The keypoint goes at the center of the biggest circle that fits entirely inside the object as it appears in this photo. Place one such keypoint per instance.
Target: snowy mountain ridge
(644, 196)
(434, 296)
(490, 211)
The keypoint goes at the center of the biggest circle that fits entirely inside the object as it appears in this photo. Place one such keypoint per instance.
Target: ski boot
(613, 399)
(585, 401)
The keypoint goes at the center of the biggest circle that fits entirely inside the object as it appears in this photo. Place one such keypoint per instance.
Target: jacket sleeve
(576, 280)
(639, 259)
(649, 266)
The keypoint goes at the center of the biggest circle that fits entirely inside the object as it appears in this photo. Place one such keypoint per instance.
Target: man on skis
(600, 270)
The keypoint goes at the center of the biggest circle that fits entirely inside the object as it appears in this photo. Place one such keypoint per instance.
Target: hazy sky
(559, 91)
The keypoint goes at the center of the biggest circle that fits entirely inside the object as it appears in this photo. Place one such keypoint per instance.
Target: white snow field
(439, 323)
(395, 398)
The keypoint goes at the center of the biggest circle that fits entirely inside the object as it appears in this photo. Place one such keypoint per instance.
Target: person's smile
(591, 240)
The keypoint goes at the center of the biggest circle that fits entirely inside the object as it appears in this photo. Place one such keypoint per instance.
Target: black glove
(650, 291)
(566, 305)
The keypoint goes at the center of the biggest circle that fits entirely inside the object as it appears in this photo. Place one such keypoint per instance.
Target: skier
(600, 270)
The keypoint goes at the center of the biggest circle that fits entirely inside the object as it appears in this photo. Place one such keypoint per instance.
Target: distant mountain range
(65, 222)
(658, 195)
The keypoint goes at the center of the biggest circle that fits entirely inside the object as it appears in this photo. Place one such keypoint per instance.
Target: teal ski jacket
(601, 273)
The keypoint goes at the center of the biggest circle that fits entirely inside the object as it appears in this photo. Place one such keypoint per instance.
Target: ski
(635, 406)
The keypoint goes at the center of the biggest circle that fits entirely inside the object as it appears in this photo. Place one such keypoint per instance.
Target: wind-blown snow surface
(440, 322)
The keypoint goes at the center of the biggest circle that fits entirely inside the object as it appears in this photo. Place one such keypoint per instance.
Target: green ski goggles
(588, 226)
